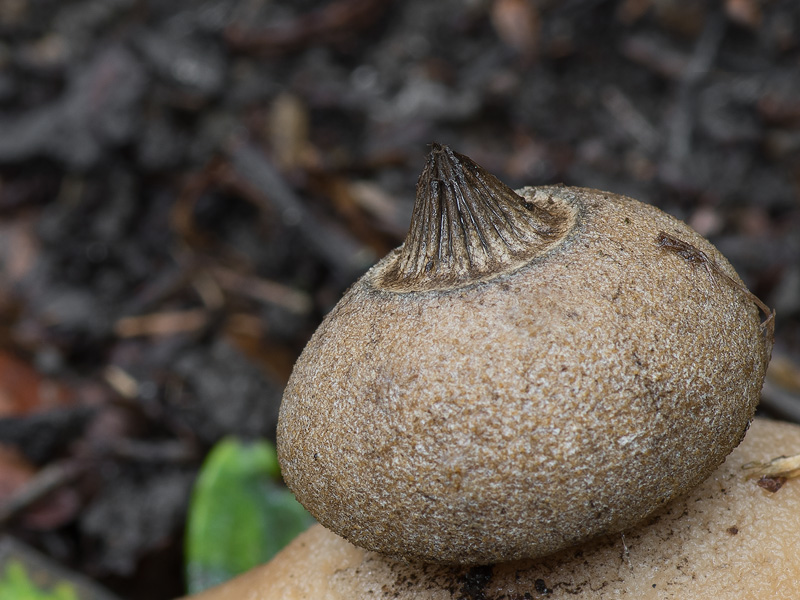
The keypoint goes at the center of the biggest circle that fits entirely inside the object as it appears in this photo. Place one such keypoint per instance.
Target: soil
(186, 188)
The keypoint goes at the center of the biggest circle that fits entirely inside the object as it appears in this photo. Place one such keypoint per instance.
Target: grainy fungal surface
(524, 413)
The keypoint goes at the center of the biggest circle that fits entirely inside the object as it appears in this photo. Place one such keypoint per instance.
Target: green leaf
(16, 584)
(239, 515)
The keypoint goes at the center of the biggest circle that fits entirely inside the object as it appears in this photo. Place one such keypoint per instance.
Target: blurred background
(187, 187)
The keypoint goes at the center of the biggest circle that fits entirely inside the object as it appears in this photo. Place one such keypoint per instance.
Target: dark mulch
(187, 187)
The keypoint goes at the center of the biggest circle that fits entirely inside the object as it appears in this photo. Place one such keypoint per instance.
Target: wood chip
(163, 323)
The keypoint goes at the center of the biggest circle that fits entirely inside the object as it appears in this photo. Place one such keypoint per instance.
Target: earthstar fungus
(529, 370)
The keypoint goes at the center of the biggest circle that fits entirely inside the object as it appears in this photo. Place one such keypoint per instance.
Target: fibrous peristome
(515, 416)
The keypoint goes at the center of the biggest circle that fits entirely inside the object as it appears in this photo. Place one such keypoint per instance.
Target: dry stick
(263, 290)
(779, 402)
(682, 123)
(338, 17)
(773, 474)
(656, 54)
(332, 245)
(162, 323)
(43, 484)
(161, 453)
(781, 466)
(632, 120)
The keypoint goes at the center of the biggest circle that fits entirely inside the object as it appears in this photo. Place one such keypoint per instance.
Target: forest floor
(187, 187)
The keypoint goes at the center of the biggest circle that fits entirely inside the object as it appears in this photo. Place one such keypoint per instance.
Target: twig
(162, 323)
(632, 120)
(655, 53)
(263, 290)
(779, 402)
(780, 466)
(209, 291)
(169, 452)
(682, 124)
(332, 245)
(45, 482)
(122, 382)
(341, 16)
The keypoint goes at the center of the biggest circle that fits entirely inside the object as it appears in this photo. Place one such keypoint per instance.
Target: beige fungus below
(728, 540)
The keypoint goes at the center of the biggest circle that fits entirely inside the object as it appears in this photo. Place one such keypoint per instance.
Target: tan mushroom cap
(728, 540)
(608, 370)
